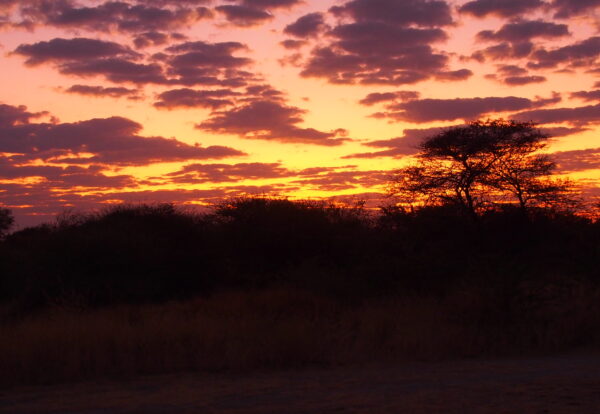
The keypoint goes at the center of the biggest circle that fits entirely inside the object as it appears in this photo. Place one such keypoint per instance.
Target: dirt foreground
(565, 384)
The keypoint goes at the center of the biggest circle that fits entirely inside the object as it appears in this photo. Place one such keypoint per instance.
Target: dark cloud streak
(587, 96)
(268, 120)
(502, 8)
(244, 16)
(189, 98)
(59, 50)
(578, 116)
(306, 26)
(101, 91)
(429, 110)
(111, 141)
(525, 30)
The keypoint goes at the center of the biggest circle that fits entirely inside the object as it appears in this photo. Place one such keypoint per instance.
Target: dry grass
(280, 328)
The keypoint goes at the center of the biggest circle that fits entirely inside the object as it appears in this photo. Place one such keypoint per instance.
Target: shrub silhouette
(6, 221)
(157, 253)
(270, 233)
(122, 254)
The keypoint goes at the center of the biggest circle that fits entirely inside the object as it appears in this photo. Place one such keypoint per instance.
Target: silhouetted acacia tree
(481, 164)
(6, 221)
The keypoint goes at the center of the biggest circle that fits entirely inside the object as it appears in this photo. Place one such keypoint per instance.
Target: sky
(196, 101)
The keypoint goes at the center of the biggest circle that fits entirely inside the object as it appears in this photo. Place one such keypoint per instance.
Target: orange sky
(539, 54)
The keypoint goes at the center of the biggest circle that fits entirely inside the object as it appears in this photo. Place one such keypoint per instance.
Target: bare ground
(564, 384)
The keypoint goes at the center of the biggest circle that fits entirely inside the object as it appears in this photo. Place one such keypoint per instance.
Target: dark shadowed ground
(564, 384)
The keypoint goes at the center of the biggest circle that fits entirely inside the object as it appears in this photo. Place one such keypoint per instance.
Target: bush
(156, 253)
(6, 221)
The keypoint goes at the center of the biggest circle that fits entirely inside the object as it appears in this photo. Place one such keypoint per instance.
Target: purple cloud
(569, 8)
(453, 75)
(247, 13)
(561, 131)
(523, 80)
(6, 5)
(270, 4)
(587, 96)
(578, 160)
(208, 54)
(221, 173)
(397, 12)
(11, 116)
(406, 145)
(268, 120)
(59, 50)
(504, 51)
(111, 141)
(116, 70)
(293, 43)
(176, 3)
(202, 63)
(101, 91)
(187, 64)
(332, 180)
(244, 16)
(377, 54)
(306, 26)
(581, 53)
(428, 110)
(511, 70)
(502, 8)
(526, 30)
(515, 76)
(377, 97)
(579, 116)
(112, 15)
(149, 39)
(189, 98)
(384, 42)
(65, 177)
(359, 38)
(267, 5)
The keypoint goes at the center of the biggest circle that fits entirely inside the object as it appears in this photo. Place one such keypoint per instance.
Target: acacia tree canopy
(480, 165)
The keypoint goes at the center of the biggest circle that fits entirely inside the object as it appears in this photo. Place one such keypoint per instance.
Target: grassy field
(288, 328)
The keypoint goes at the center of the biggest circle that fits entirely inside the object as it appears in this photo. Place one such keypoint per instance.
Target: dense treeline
(156, 253)
(270, 283)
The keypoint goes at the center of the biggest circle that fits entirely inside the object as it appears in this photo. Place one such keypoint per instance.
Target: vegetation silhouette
(156, 253)
(266, 281)
(6, 221)
(484, 164)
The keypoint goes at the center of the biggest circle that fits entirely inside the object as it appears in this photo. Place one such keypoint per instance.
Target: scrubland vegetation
(269, 283)
(487, 255)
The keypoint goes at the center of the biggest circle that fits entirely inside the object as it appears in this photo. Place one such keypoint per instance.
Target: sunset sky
(193, 101)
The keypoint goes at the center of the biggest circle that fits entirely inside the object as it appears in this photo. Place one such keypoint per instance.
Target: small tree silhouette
(482, 164)
(6, 221)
